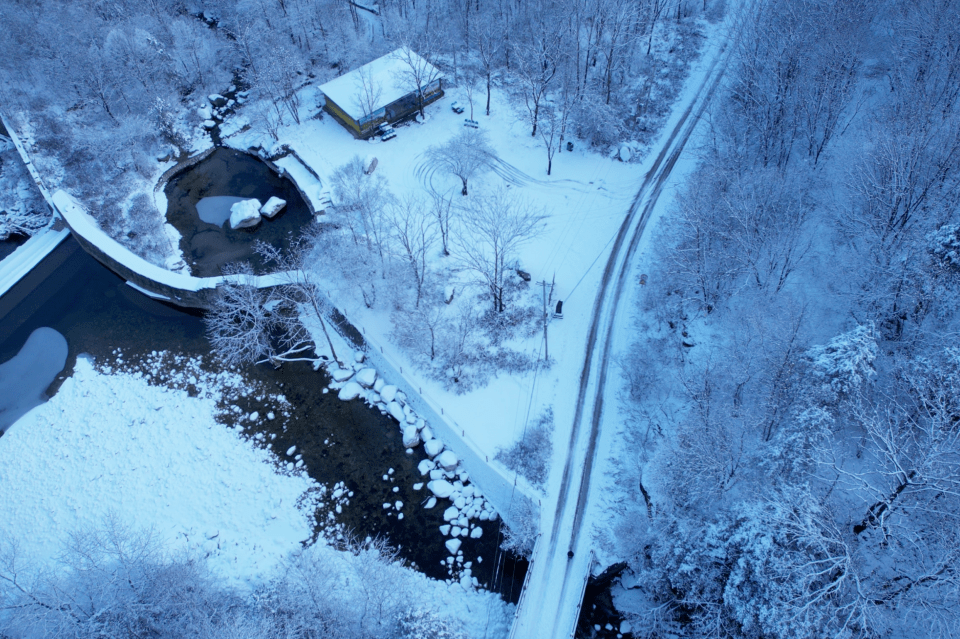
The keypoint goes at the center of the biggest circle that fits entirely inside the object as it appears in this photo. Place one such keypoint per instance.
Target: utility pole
(546, 345)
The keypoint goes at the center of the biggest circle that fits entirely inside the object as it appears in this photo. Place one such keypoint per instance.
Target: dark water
(340, 441)
(598, 610)
(11, 244)
(207, 247)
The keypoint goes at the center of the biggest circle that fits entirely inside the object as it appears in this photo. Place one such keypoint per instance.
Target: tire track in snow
(603, 317)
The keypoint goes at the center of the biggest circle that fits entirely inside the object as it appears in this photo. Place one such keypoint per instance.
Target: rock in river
(273, 206)
(245, 214)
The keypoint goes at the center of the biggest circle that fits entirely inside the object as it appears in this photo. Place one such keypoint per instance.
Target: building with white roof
(386, 90)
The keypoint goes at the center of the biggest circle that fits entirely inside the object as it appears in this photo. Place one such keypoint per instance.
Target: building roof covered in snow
(378, 83)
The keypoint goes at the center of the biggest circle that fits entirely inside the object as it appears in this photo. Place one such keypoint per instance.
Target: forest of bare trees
(792, 389)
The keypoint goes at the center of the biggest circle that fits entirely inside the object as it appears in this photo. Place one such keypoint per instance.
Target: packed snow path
(550, 604)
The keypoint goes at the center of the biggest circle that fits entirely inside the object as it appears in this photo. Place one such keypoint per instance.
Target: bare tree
(443, 213)
(464, 155)
(298, 286)
(417, 73)
(551, 132)
(251, 325)
(493, 227)
(415, 232)
(368, 91)
(361, 199)
(489, 45)
(537, 64)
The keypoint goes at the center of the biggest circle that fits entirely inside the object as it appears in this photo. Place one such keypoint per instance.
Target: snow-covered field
(156, 457)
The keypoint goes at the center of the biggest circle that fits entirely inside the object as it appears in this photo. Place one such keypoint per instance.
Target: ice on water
(25, 377)
(216, 209)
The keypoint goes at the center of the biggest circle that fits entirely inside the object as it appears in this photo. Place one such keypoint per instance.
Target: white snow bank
(24, 378)
(112, 444)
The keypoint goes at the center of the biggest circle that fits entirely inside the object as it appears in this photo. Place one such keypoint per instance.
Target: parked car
(456, 107)
(386, 132)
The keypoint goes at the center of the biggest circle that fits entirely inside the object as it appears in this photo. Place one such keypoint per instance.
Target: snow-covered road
(551, 600)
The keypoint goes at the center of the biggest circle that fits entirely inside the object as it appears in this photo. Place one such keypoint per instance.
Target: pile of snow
(448, 479)
(244, 214)
(273, 206)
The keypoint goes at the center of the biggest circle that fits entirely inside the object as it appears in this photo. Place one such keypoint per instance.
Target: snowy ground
(586, 197)
(110, 444)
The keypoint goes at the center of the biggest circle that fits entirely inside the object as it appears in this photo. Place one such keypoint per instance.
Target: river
(98, 313)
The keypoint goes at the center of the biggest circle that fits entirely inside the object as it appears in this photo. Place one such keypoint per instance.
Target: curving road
(549, 607)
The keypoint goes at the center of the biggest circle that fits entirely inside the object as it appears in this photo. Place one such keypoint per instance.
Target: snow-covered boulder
(425, 466)
(379, 384)
(433, 447)
(396, 411)
(441, 488)
(388, 393)
(209, 124)
(411, 437)
(205, 112)
(244, 214)
(366, 377)
(217, 100)
(351, 390)
(453, 545)
(448, 459)
(476, 533)
(451, 514)
(273, 206)
(341, 374)
(625, 153)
